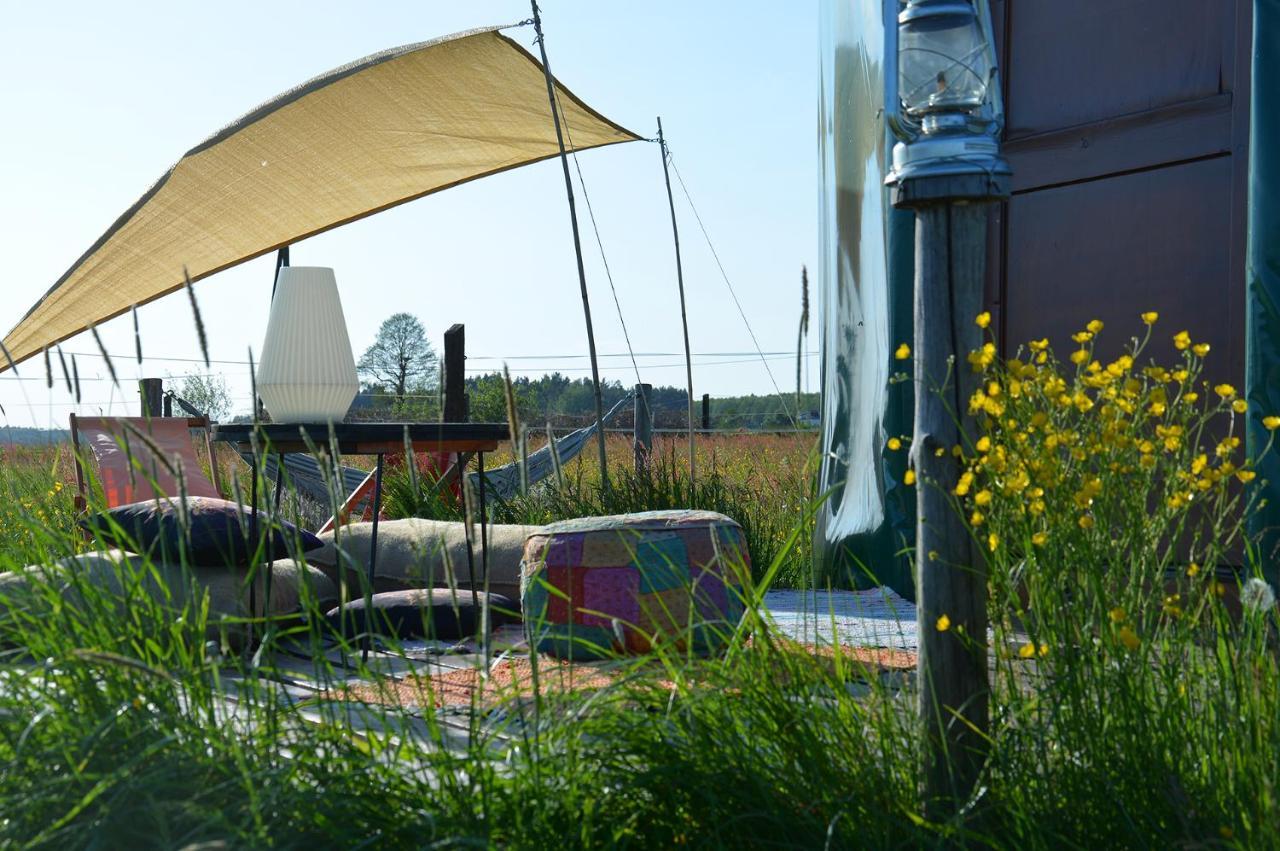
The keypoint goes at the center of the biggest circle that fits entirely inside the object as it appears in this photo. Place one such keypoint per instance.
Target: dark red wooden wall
(1127, 129)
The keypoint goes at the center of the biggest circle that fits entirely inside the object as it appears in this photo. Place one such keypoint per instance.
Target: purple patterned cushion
(202, 530)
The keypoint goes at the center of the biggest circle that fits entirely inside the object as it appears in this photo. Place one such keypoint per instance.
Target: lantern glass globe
(944, 60)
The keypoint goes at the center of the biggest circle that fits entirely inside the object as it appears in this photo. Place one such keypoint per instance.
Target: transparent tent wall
(866, 524)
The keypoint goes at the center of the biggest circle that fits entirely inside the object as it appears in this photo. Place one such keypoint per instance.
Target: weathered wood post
(643, 427)
(706, 412)
(951, 572)
(455, 377)
(942, 100)
(168, 405)
(150, 391)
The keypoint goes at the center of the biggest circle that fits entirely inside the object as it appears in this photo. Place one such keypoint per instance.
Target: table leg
(271, 541)
(253, 543)
(373, 561)
(484, 564)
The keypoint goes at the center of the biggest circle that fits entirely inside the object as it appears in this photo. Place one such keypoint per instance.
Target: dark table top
(369, 438)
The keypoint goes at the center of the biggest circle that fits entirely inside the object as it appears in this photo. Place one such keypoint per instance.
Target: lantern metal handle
(901, 126)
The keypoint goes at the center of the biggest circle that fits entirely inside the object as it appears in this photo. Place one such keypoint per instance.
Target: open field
(1129, 707)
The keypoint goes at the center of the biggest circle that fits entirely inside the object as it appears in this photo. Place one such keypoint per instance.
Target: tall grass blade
(66, 373)
(111, 367)
(195, 313)
(137, 334)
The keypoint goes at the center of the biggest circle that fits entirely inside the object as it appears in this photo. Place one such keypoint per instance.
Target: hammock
(504, 482)
(303, 471)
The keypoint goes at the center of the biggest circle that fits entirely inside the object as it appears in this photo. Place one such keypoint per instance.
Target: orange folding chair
(125, 450)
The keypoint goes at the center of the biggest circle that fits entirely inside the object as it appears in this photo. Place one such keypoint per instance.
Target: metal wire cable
(729, 284)
(595, 228)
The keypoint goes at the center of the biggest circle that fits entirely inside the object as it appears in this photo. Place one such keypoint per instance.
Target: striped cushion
(598, 586)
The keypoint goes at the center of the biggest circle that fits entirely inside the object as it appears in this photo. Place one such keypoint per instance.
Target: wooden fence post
(455, 386)
(706, 412)
(150, 391)
(951, 571)
(643, 428)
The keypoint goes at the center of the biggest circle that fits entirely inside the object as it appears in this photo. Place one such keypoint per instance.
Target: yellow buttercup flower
(1079, 356)
(943, 623)
(1117, 615)
(982, 497)
(1239, 406)
(1200, 349)
(1085, 521)
(1082, 337)
(894, 444)
(1150, 317)
(983, 319)
(1246, 476)
(1026, 651)
(1129, 638)
(909, 478)
(984, 442)
(993, 541)
(1181, 340)
(1039, 539)
(1094, 326)
(903, 352)
(1226, 391)
(976, 519)
(1271, 423)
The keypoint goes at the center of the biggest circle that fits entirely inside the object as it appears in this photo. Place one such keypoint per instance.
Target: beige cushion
(417, 553)
(111, 570)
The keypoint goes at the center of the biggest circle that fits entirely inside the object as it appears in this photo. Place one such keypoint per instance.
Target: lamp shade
(307, 373)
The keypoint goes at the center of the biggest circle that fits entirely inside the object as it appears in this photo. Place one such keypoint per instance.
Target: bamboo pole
(684, 321)
(577, 249)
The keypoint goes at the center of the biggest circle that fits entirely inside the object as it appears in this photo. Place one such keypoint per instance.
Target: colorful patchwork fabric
(597, 586)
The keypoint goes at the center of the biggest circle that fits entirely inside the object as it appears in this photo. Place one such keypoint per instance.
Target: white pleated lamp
(307, 373)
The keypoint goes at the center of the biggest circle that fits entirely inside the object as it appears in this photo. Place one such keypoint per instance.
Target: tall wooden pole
(577, 248)
(951, 571)
(150, 391)
(684, 322)
(642, 428)
(455, 386)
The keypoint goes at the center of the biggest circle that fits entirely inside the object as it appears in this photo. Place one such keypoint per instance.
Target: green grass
(769, 507)
(114, 731)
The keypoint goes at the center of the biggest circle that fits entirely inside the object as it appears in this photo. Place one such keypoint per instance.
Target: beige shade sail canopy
(381, 131)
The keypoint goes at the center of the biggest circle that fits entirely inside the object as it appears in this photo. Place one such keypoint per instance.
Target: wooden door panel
(1074, 62)
(1111, 249)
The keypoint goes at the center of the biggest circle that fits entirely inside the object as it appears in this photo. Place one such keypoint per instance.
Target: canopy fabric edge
(261, 112)
(195, 278)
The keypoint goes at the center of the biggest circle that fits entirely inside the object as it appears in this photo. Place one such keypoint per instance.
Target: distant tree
(208, 394)
(401, 357)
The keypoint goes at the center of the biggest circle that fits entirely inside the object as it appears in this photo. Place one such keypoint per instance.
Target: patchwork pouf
(598, 586)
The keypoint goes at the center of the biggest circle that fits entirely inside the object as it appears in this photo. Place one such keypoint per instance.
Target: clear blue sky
(101, 98)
